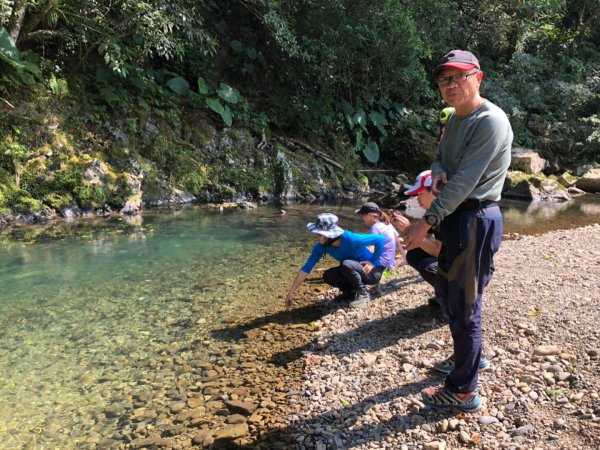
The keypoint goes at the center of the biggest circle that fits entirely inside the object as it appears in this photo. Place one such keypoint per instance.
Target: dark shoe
(362, 297)
(434, 302)
(344, 296)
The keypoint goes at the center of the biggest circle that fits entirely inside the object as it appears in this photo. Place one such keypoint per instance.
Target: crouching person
(358, 267)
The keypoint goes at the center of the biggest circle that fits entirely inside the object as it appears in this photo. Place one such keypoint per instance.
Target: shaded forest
(327, 71)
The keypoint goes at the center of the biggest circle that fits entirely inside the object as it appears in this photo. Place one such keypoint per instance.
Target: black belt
(473, 203)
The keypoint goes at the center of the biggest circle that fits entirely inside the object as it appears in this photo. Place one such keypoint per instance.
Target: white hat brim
(413, 190)
(332, 234)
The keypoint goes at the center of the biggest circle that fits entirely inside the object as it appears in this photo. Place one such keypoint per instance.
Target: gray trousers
(349, 276)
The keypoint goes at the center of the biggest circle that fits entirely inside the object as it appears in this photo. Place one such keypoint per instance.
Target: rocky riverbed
(342, 378)
(327, 377)
(366, 367)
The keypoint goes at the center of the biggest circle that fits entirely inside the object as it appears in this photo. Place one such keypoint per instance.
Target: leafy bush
(196, 181)
(90, 196)
(56, 201)
(22, 202)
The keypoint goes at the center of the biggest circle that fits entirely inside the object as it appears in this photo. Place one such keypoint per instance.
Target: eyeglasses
(458, 78)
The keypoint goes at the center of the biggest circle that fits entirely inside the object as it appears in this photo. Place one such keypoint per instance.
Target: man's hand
(414, 234)
(400, 222)
(367, 266)
(438, 182)
(289, 300)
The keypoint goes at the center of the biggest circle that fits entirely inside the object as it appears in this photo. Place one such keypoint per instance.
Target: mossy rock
(567, 180)
(90, 196)
(197, 131)
(27, 204)
(57, 201)
(363, 181)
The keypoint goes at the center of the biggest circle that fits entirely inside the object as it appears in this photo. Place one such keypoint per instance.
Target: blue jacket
(352, 246)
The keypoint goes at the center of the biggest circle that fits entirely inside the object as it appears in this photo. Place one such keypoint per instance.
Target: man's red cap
(457, 59)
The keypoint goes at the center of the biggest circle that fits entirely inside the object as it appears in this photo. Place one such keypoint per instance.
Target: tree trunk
(585, 25)
(16, 19)
(17, 174)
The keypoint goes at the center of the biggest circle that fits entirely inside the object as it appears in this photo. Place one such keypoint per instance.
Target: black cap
(458, 59)
(367, 208)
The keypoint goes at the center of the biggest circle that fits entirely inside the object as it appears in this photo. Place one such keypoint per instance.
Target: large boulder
(590, 181)
(534, 188)
(528, 161)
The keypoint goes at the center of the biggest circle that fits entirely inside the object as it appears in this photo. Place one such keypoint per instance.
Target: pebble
(488, 420)
(453, 424)
(434, 445)
(444, 426)
(546, 350)
(523, 430)
(560, 423)
(464, 437)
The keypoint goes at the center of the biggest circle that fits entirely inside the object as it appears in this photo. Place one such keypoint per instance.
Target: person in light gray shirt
(468, 173)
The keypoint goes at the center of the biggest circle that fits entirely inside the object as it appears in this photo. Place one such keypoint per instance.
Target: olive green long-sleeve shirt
(475, 153)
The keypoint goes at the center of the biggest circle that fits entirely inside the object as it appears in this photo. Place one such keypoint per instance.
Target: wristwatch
(432, 220)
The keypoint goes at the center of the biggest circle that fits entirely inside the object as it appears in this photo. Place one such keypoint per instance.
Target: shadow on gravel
(306, 313)
(375, 334)
(302, 315)
(344, 420)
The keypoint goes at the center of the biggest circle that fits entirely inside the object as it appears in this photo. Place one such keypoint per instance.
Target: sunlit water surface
(82, 305)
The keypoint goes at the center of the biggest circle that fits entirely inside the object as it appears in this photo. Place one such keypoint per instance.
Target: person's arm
(431, 245)
(414, 234)
(400, 248)
(399, 221)
(289, 299)
(378, 241)
(317, 253)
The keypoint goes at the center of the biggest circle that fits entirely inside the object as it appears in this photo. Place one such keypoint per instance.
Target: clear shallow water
(93, 312)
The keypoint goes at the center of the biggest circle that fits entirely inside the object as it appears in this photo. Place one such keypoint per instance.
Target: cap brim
(454, 65)
(414, 190)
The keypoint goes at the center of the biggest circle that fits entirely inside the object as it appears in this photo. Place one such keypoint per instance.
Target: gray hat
(326, 225)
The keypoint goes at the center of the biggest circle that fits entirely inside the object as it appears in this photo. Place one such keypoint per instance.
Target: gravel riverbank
(366, 367)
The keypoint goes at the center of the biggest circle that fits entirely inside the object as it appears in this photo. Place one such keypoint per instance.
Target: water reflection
(538, 217)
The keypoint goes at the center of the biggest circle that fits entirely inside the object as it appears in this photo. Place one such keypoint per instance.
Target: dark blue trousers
(349, 276)
(465, 266)
(424, 263)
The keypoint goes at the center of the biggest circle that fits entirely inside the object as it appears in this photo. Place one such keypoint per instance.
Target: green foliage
(8, 49)
(21, 69)
(22, 202)
(226, 93)
(67, 181)
(56, 201)
(179, 85)
(370, 127)
(90, 196)
(58, 86)
(354, 71)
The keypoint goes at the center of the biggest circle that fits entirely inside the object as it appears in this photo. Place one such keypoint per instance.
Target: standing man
(467, 177)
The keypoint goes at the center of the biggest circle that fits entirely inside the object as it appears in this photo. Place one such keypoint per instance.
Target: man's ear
(479, 76)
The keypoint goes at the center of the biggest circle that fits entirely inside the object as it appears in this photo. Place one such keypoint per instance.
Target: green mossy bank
(54, 161)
